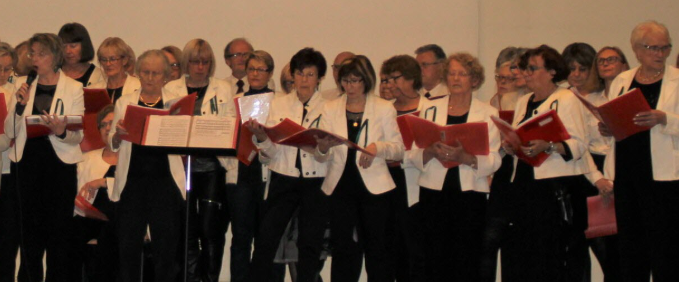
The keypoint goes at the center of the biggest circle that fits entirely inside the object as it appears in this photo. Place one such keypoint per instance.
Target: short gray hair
(154, 53)
(437, 50)
(644, 28)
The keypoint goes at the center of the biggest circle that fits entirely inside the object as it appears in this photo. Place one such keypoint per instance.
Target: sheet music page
(170, 131)
(213, 132)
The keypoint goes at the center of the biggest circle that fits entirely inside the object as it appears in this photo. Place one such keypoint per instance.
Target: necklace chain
(152, 104)
(645, 78)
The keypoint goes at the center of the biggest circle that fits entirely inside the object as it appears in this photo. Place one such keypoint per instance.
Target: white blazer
(8, 90)
(281, 158)
(664, 138)
(96, 78)
(439, 90)
(68, 100)
(379, 116)
(91, 168)
(131, 84)
(434, 173)
(412, 174)
(125, 148)
(218, 97)
(570, 111)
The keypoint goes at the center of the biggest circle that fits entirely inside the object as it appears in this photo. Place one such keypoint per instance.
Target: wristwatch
(551, 148)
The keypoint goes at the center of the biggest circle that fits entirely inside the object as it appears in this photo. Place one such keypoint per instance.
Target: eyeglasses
(104, 60)
(429, 64)
(175, 65)
(608, 60)
(307, 75)
(504, 79)
(150, 74)
(351, 81)
(6, 70)
(253, 70)
(393, 79)
(234, 55)
(458, 74)
(32, 55)
(199, 62)
(384, 81)
(531, 69)
(513, 67)
(658, 49)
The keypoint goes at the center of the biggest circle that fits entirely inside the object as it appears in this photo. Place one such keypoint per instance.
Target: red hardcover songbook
(601, 217)
(3, 112)
(84, 207)
(36, 127)
(290, 133)
(507, 116)
(136, 116)
(250, 107)
(95, 100)
(406, 134)
(618, 114)
(547, 126)
(473, 135)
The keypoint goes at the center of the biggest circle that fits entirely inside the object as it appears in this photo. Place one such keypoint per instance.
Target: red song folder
(3, 112)
(406, 134)
(292, 134)
(507, 116)
(618, 114)
(36, 127)
(547, 127)
(250, 107)
(136, 116)
(95, 100)
(84, 207)
(473, 135)
(601, 217)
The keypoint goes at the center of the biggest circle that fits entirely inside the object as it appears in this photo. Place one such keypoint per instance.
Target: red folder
(35, 126)
(507, 116)
(88, 209)
(547, 126)
(135, 116)
(3, 112)
(95, 100)
(473, 135)
(406, 134)
(601, 217)
(292, 134)
(250, 107)
(618, 114)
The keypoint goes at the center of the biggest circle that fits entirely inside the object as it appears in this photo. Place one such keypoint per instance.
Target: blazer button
(307, 173)
(314, 173)
(203, 112)
(307, 120)
(280, 119)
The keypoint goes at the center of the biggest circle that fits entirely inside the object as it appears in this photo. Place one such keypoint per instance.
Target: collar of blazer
(368, 114)
(58, 95)
(439, 109)
(551, 103)
(130, 84)
(669, 85)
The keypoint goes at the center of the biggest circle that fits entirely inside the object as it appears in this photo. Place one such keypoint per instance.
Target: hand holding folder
(618, 114)
(36, 126)
(472, 136)
(547, 127)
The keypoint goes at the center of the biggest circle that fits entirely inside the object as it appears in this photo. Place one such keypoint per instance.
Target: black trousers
(243, 203)
(9, 228)
(647, 213)
(354, 208)
(47, 187)
(100, 261)
(155, 202)
(453, 222)
(208, 222)
(285, 195)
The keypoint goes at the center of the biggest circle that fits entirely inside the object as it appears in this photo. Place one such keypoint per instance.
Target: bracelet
(551, 148)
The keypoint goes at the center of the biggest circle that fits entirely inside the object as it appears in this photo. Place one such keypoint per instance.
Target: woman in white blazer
(9, 228)
(645, 166)
(46, 165)
(115, 58)
(453, 201)
(359, 184)
(78, 54)
(95, 176)
(150, 184)
(295, 176)
(400, 80)
(547, 242)
(208, 218)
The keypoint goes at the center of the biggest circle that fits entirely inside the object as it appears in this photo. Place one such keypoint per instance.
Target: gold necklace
(150, 105)
(647, 79)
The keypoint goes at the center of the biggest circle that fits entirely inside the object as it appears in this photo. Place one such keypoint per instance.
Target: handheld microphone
(29, 80)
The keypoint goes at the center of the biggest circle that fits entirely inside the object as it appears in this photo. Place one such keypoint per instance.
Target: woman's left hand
(650, 118)
(534, 147)
(54, 123)
(453, 153)
(257, 129)
(366, 160)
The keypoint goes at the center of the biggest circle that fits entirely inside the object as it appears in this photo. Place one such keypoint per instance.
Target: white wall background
(378, 29)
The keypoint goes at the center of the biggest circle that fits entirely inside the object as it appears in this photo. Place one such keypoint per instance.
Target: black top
(298, 160)
(111, 172)
(452, 180)
(43, 98)
(260, 91)
(201, 163)
(115, 93)
(86, 76)
(633, 154)
(351, 175)
(147, 161)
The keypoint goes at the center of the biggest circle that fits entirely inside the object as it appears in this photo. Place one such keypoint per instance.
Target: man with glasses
(431, 58)
(333, 93)
(235, 57)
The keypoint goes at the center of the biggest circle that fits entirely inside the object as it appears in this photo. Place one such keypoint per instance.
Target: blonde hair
(120, 48)
(194, 49)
